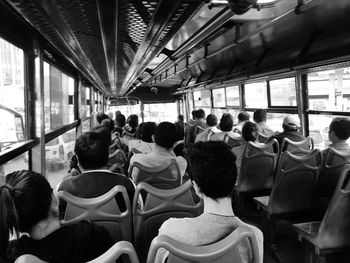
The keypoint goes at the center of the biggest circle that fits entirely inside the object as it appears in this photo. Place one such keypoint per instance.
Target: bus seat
(178, 148)
(118, 162)
(103, 210)
(293, 189)
(332, 234)
(110, 256)
(199, 129)
(160, 205)
(232, 142)
(300, 147)
(225, 250)
(333, 165)
(257, 171)
(262, 138)
(162, 177)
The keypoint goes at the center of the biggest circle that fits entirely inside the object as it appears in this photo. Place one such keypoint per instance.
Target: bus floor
(290, 250)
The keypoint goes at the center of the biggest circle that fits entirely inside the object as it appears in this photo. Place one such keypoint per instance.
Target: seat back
(28, 258)
(178, 148)
(295, 182)
(102, 210)
(298, 148)
(334, 231)
(164, 177)
(232, 142)
(228, 249)
(159, 206)
(258, 167)
(199, 129)
(262, 138)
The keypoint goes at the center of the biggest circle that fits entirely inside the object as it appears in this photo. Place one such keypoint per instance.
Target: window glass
(95, 101)
(86, 125)
(57, 155)
(18, 163)
(232, 96)
(201, 98)
(275, 120)
(219, 97)
(58, 98)
(329, 90)
(219, 112)
(190, 104)
(255, 95)
(283, 92)
(83, 106)
(88, 101)
(12, 109)
(160, 112)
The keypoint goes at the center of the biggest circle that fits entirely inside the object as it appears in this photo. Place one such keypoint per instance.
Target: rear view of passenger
(27, 205)
(339, 133)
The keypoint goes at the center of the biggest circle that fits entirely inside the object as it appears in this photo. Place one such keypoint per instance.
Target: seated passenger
(180, 127)
(29, 206)
(129, 130)
(100, 117)
(339, 133)
(145, 144)
(212, 121)
(214, 175)
(243, 117)
(191, 134)
(226, 124)
(119, 123)
(290, 131)
(95, 180)
(250, 133)
(259, 117)
(164, 137)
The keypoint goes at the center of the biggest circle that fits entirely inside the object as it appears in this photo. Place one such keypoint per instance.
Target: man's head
(120, 120)
(92, 151)
(259, 116)
(226, 122)
(289, 123)
(250, 131)
(147, 130)
(213, 168)
(165, 135)
(108, 123)
(180, 118)
(339, 129)
(243, 116)
(198, 114)
(100, 117)
(212, 120)
(133, 121)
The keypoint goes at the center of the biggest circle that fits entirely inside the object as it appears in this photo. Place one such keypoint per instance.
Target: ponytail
(8, 217)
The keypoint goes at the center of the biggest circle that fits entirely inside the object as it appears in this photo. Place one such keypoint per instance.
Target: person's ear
(153, 138)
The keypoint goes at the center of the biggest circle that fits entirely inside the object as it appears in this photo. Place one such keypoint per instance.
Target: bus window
(11, 127)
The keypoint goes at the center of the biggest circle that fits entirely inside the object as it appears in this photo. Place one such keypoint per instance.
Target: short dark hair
(133, 121)
(147, 129)
(92, 150)
(247, 130)
(213, 168)
(104, 132)
(199, 114)
(108, 123)
(193, 113)
(212, 120)
(100, 117)
(226, 122)
(180, 117)
(120, 120)
(25, 200)
(165, 134)
(341, 127)
(259, 115)
(243, 116)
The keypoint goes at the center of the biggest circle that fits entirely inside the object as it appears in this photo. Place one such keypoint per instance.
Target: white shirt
(141, 146)
(220, 136)
(203, 136)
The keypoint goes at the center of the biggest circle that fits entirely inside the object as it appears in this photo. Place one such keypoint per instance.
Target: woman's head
(25, 200)
(250, 131)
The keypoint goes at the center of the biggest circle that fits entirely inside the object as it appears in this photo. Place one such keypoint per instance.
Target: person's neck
(160, 148)
(222, 206)
(338, 141)
(45, 228)
(95, 169)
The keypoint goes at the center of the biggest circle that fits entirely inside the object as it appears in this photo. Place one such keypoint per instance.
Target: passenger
(129, 130)
(339, 133)
(95, 180)
(259, 117)
(104, 131)
(27, 205)
(164, 137)
(212, 122)
(119, 124)
(145, 144)
(243, 117)
(290, 130)
(180, 127)
(108, 123)
(226, 124)
(250, 133)
(100, 117)
(199, 116)
(214, 175)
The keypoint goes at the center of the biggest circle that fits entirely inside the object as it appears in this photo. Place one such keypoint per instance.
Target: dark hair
(213, 168)
(133, 121)
(25, 200)
(165, 134)
(92, 150)
(247, 131)
(226, 122)
(120, 120)
(212, 120)
(104, 132)
(341, 127)
(243, 116)
(180, 117)
(199, 114)
(108, 123)
(259, 115)
(193, 113)
(100, 117)
(147, 129)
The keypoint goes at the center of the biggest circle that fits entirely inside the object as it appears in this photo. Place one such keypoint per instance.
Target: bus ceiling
(128, 47)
